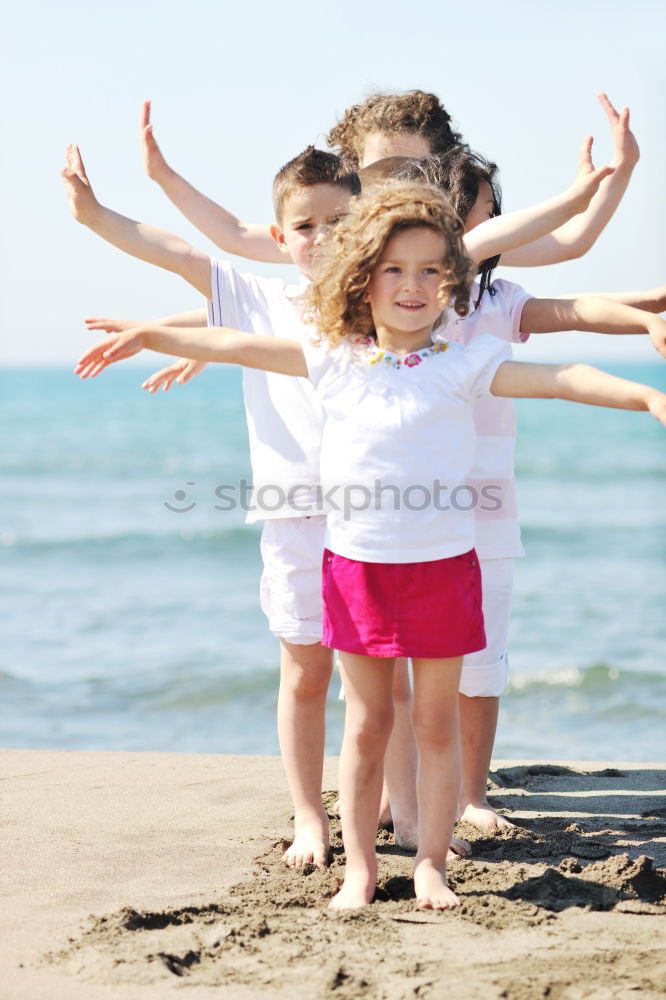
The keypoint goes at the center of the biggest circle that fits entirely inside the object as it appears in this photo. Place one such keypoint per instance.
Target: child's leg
(305, 674)
(368, 719)
(483, 680)
(398, 801)
(399, 804)
(400, 763)
(478, 725)
(436, 730)
(290, 591)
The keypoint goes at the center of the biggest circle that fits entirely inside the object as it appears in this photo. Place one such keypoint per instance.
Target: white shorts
(290, 588)
(484, 674)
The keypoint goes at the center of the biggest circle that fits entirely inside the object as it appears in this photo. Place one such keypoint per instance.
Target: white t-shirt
(492, 475)
(284, 415)
(398, 446)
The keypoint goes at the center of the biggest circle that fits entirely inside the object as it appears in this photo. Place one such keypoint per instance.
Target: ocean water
(131, 626)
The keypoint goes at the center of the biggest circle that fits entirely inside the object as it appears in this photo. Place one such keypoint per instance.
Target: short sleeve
(512, 299)
(482, 358)
(318, 358)
(234, 297)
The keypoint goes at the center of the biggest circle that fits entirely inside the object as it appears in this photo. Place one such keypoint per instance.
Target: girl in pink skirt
(400, 575)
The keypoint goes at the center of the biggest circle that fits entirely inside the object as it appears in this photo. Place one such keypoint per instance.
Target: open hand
(153, 162)
(80, 197)
(625, 146)
(106, 352)
(180, 371)
(109, 325)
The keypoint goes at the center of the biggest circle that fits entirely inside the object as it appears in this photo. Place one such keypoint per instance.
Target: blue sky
(239, 89)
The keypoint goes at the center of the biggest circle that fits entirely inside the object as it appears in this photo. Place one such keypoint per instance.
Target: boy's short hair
(415, 112)
(312, 166)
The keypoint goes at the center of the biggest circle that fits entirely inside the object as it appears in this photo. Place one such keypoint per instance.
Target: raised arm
(220, 344)
(594, 315)
(224, 229)
(145, 242)
(517, 228)
(575, 237)
(579, 384)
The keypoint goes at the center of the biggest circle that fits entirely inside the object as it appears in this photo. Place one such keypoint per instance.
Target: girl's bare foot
(432, 892)
(482, 815)
(310, 846)
(358, 889)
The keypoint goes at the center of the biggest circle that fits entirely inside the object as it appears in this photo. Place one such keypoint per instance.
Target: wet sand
(134, 875)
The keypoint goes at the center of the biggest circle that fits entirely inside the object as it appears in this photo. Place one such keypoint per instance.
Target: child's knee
(369, 732)
(305, 671)
(434, 731)
(305, 684)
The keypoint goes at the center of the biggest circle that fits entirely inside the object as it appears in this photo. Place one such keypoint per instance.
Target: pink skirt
(426, 609)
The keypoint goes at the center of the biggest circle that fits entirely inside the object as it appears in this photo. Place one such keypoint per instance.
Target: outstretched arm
(181, 371)
(145, 242)
(575, 237)
(594, 315)
(195, 317)
(579, 384)
(517, 228)
(212, 344)
(224, 229)
(651, 300)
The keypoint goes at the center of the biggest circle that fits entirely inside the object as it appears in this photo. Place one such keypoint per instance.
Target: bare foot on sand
(358, 889)
(432, 892)
(482, 815)
(310, 846)
(406, 836)
(459, 848)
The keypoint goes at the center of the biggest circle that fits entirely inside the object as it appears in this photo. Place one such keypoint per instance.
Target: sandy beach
(133, 875)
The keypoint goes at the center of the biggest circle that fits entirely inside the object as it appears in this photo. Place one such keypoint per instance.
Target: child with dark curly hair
(510, 313)
(411, 124)
(400, 574)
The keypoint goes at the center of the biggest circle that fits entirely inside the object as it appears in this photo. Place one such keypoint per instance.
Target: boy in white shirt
(284, 419)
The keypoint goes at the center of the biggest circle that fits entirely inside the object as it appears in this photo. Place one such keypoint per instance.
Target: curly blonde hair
(336, 300)
(415, 112)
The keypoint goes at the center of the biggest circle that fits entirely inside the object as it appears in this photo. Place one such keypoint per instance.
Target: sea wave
(135, 543)
(593, 679)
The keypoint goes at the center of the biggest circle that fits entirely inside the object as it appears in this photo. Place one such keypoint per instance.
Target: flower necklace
(396, 361)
